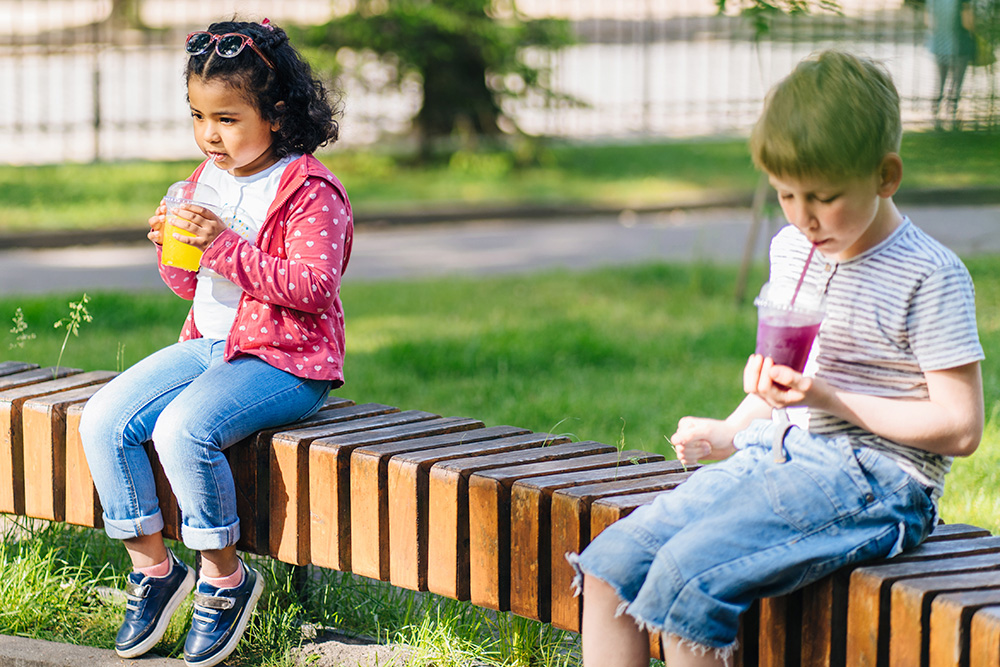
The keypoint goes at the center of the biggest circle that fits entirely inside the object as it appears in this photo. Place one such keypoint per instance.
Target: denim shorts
(689, 563)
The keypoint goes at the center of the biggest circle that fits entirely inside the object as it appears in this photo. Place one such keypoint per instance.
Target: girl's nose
(210, 133)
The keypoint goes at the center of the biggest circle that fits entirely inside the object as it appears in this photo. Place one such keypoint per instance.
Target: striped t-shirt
(901, 308)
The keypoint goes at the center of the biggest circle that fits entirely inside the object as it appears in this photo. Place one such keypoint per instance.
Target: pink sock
(230, 581)
(158, 570)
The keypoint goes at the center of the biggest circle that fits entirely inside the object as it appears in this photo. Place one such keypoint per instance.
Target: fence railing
(79, 81)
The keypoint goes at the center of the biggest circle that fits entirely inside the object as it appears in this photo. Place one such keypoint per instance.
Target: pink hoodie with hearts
(290, 314)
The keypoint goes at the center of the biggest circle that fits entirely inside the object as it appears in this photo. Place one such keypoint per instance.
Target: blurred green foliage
(467, 54)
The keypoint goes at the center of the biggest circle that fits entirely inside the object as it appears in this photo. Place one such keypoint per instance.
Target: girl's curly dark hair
(288, 95)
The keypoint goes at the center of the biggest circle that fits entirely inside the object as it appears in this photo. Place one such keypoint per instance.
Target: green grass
(57, 583)
(124, 194)
(614, 355)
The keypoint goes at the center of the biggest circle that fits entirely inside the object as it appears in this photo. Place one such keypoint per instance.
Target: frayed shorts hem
(724, 653)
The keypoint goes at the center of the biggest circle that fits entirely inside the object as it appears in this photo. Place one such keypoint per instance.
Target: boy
(897, 393)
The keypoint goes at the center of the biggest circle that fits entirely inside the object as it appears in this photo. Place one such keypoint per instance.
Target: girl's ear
(890, 175)
(280, 111)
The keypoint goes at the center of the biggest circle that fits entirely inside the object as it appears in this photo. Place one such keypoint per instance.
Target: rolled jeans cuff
(200, 539)
(124, 529)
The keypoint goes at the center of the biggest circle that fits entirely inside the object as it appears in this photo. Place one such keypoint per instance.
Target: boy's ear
(890, 175)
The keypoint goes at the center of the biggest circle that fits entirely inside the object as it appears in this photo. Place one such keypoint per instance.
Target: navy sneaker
(151, 603)
(220, 617)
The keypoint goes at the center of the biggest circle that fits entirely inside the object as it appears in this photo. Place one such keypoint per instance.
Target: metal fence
(86, 79)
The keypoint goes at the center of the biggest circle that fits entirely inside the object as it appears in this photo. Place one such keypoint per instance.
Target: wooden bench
(486, 514)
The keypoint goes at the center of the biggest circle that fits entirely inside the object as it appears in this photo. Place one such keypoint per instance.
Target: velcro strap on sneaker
(136, 591)
(213, 602)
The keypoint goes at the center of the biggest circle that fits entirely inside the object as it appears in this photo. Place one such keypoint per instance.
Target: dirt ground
(333, 649)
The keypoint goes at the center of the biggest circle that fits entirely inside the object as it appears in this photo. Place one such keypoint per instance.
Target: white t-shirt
(245, 201)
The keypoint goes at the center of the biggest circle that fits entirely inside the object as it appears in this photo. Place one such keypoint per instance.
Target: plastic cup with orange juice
(176, 253)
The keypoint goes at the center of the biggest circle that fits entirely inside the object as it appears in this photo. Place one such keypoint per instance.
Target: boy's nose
(805, 217)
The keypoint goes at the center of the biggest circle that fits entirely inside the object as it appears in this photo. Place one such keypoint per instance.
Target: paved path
(488, 247)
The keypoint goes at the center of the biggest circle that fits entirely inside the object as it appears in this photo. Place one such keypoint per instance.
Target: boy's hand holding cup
(788, 319)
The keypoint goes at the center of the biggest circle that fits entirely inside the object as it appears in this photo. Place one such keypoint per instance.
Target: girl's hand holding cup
(201, 224)
(189, 224)
(156, 222)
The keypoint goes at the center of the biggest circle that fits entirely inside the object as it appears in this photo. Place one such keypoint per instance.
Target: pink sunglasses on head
(228, 45)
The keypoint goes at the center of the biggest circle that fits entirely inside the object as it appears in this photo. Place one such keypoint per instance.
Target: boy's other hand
(701, 439)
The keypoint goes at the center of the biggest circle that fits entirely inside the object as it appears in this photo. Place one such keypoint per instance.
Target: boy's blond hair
(835, 116)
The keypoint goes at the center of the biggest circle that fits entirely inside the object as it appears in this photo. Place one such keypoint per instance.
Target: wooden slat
(332, 460)
(408, 491)
(289, 475)
(570, 522)
(779, 639)
(489, 532)
(250, 462)
(951, 620)
(449, 513)
(168, 501)
(11, 440)
(530, 529)
(606, 511)
(12, 367)
(932, 549)
(83, 506)
(44, 446)
(869, 599)
(370, 496)
(656, 646)
(985, 638)
(169, 508)
(815, 631)
(823, 626)
(909, 631)
(748, 651)
(956, 531)
(813, 628)
(36, 375)
(807, 627)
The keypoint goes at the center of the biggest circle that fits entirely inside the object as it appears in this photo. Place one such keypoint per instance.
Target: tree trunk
(457, 101)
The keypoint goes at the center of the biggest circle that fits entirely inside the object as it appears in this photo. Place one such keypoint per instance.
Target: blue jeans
(192, 404)
(693, 560)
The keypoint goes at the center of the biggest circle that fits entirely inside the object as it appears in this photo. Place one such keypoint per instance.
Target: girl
(262, 345)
